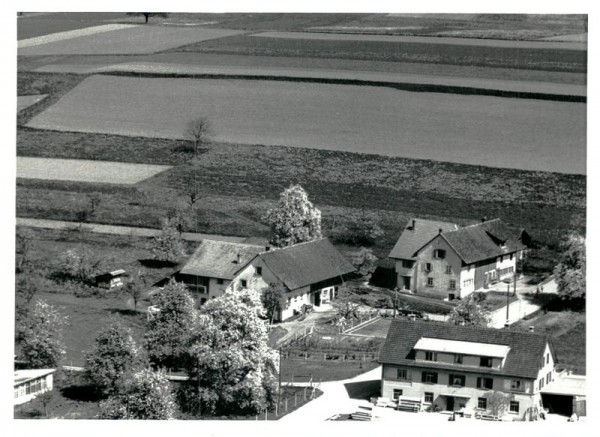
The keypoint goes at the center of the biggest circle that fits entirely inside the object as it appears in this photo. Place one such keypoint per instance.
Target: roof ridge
(432, 221)
(479, 328)
(479, 223)
(235, 243)
(276, 248)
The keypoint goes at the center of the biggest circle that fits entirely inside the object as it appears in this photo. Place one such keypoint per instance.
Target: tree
(497, 403)
(81, 265)
(230, 365)
(167, 332)
(147, 15)
(40, 336)
(23, 243)
(115, 356)
(570, 271)
(145, 395)
(274, 300)
(135, 287)
(358, 229)
(364, 261)
(470, 313)
(89, 210)
(168, 245)
(198, 130)
(295, 219)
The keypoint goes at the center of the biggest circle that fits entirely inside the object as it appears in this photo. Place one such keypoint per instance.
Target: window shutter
(478, 382)
(435, 380)
(450, 379)
(423, 374)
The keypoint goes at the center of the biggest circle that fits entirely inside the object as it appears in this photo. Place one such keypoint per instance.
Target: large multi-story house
(454, 368)
(442, 260)
(310, 273)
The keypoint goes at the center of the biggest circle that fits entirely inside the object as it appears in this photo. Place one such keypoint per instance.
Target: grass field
(496, 57)
(302, 370)
(378, 328)
(137, 39)
(26, 101)
(34, 25)
(529, 134)
(78, 33)
(79, 170)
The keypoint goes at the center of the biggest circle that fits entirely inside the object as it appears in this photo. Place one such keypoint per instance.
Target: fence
(294, 353)
(291, 398)
(361, 318)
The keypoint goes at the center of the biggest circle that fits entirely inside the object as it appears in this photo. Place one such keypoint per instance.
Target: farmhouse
(441, 260)
(469, 369)
(311, 273)
(31, 382)
(212, 267)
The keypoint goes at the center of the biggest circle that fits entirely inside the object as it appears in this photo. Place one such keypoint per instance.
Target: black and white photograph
(299, 218)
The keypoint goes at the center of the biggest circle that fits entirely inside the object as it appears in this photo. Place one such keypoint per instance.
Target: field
(378, 328)
(39, 24)
(85, 171)
(78, 33)
(137, 39)
(525, 134)
(26, 101)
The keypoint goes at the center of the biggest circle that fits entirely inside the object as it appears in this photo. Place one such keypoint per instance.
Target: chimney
(483, 219)
(439, 230)
(414, 222)
(267, 248)
(239, 258)
(531, 328)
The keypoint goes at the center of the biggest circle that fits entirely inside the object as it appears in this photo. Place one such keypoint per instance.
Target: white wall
(20, 391)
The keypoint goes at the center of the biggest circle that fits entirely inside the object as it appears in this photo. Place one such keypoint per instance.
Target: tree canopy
(167, 332)
(470, 313)
(570, 271)
(40, 336)
(115, 356)
(295, 219)
(274, 300)
(230, 365)
(147, 15)
(364, 261)
(168, 245)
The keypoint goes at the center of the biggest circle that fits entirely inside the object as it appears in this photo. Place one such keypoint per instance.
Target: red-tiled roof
(307, 263)
(413, 238)
(523, 359)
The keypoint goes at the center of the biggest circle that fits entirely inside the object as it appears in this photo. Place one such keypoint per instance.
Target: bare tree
(497, 403)
(89, 211)
(198, 130)
(147, 15)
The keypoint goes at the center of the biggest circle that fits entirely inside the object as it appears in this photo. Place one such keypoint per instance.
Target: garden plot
(128, 39)
(85, 171)
(492, 131)
(26, 101)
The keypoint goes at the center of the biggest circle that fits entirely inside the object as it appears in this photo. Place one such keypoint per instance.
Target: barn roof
(306, 263)
(416, 234)
(525, 352)
(482, 241)
(219, 259)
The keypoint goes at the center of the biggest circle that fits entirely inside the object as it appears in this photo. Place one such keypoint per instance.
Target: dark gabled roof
(218, 259)
(522, 360)
(412, 239)
(483, 241)
(306, 263)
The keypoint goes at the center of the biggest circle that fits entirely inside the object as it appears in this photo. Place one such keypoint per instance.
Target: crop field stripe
(86, 171)
(439, 84)
(61, 36)
(330, 36)
(27, 101)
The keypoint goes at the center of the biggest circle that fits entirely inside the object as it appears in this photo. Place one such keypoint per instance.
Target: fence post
(304, 393)
(286, 405)
(266, 414)
(295, 399)
(276, 410)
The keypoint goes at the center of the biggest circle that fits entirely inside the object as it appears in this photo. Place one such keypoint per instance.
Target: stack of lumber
(409, 404)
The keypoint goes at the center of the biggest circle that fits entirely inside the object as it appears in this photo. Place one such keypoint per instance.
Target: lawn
(492, 300)
(378, 329)
(479, 130)
(26, 101)
(303, 370)
(568, 332)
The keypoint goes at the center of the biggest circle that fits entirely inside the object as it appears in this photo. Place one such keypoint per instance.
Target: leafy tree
(145, 395)
(40, 336)
(198, 130)
(168, 331)
(295, 219)
(148, 15)
(168, 245)
(115, 355)
(23, 245)
(26, 288)
(135, 287)
(364, 261)
(81, 265)
(274, 300)
(469, 312)
(570, 272)
(230, 365)
(358, 229)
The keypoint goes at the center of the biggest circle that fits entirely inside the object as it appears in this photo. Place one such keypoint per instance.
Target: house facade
(310, 273)
(458, 368)
(30, 383)
(441, 260)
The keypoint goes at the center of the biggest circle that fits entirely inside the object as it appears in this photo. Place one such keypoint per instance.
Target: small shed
(111, 280)
(31, 382)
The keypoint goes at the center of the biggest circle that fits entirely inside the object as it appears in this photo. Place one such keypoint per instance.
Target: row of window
(451, 283)
(506, 271)
(30, 387)
(548, 379)
(458, 359)
(429, 268)
(482, 403)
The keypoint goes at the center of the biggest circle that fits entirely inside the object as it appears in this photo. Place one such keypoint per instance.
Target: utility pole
(279, 387)
(507, 304)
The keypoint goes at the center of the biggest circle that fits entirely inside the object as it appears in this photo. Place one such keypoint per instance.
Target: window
(407, 263)
(485, 362)
(428, 397)
(456, 380)
(430, 282)
(548, 377)
(482, 403)
(428, 267)
(541, 383)
(458, 359)
(448, 270)
(429, 377)
(430, 356)
(397, 394)
(335, 294)
(244, 283)
(401, 373)
(289, 300)
(516, 385)
(439, 253)
(452, 284)
(514, 407)
(547, 358)
(220, 281)
(467, 282)
(485, 383)
(511, 255)
(259, 271)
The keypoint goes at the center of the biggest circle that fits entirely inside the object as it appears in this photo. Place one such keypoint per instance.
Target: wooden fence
(295, 353)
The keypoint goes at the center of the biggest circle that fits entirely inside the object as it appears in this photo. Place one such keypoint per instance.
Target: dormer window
(439, 253)
(430, 356)
(485, 362)
(259, 271)
(458, 359)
